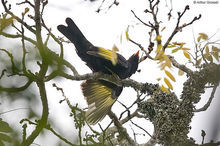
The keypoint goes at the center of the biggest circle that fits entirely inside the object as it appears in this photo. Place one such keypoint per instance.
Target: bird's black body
(99, 60)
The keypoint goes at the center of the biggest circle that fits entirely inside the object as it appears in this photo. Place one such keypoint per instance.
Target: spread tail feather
(99, 99)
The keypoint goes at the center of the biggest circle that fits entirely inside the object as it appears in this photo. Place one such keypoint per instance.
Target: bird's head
(133, 63)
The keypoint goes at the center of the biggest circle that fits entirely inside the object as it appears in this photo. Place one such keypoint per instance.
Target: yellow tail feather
(99, 99)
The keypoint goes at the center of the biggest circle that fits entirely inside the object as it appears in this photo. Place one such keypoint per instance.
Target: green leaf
(215, 49)
(4, 127)
(208, 57)
(203, 36)
(4, 137)
(171, 46)
(175, 50)
(215, 54)
(5, 22)
(207, 50)
(1, 143)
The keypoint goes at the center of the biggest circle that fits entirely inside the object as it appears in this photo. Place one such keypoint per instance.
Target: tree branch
(205, 107)
(178, 28)
(124, 138)
(180, 66)
(17, 89)
(7, 10)
(40, 79)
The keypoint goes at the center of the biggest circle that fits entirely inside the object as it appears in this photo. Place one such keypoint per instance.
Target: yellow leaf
(186, 54)
(203, 36)
(215, 49)
(168, 62)
(25, 11)
(168, 83)
(164, 89)
(207, 50)
(179, 44)
(162, 66)
(158, 79)
(175, 50)
(208, 57)
(198, 62)
(170, 75)
(199, 38)
(126, 34)
(215, 54)
(158, 38)
(171, 46)
(121, 38)
(180, 72)
(185, 49)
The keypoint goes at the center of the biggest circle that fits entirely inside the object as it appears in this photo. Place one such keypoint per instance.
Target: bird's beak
(137, 54)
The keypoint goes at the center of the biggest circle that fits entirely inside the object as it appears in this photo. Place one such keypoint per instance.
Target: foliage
(171, 115)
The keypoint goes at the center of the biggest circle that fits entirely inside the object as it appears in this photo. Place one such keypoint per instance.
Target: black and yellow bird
(99, 94)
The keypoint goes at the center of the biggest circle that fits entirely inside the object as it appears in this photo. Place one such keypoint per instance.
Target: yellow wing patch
(109, 55)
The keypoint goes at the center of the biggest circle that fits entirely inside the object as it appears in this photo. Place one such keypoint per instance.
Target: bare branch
(140, 19)
(16, 89)
(26, 2)
(180, 66)
(178, 28)
(141, 128)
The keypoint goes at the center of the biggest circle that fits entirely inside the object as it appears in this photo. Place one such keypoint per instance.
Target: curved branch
(205, 107)
(18, 89)
(45, 112)
(18, 36)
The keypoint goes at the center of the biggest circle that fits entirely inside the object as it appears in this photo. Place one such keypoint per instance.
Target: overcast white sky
(104, 29)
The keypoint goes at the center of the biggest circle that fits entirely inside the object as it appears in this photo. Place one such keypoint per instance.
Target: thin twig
(140, 19)
(141, 128)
